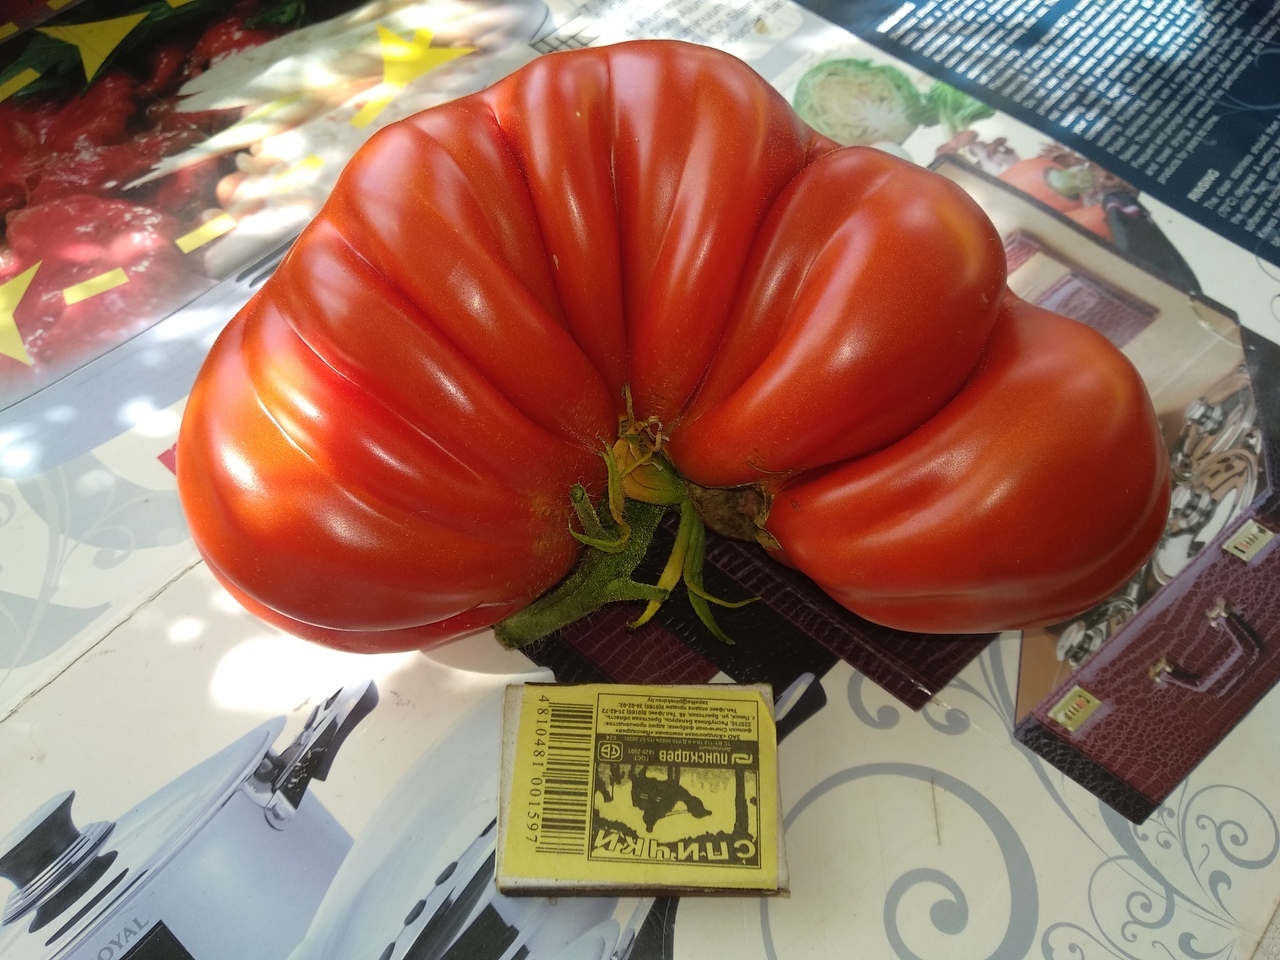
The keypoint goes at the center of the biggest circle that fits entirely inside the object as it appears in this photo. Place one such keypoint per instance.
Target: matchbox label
(676, 779)
(618, 786)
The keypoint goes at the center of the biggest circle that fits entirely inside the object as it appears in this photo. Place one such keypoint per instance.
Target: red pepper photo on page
(626, 281)
(89, 255)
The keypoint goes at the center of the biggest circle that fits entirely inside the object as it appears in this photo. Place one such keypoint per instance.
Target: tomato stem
(643, 485)
(601, 576)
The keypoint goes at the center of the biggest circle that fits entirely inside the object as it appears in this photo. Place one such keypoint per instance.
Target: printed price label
(612, 787)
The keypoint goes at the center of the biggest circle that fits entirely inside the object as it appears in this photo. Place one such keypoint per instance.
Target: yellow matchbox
(611, 788)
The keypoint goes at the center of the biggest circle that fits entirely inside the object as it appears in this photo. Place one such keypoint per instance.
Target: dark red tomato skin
(379, 451)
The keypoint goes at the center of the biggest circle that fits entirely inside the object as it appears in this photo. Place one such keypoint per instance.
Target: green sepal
(699, 598)
(594, 533)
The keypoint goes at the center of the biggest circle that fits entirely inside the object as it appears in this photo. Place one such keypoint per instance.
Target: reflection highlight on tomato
(629, 280)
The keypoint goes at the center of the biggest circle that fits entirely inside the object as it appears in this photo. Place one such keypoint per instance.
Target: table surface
(909, 834)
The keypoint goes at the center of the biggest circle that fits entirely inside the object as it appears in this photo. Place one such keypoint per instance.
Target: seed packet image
(613, 787)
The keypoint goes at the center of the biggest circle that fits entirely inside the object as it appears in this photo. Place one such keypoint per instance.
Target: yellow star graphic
(404, 61)
(11, 294)
(95, 40)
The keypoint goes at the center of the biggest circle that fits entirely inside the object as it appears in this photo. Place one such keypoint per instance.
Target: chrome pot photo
(229, 860)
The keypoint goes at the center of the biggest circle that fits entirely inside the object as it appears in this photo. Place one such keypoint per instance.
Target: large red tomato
(380, 449)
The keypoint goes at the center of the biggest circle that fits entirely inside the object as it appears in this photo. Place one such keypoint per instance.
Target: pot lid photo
(64, 877)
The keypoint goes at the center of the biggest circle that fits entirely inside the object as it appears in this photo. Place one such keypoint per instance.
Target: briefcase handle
(1242, 651)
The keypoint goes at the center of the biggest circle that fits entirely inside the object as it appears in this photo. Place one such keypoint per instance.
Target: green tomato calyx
(642, 486)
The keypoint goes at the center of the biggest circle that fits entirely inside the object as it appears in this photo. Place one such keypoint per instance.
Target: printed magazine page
(1178, 99)
(180, 781)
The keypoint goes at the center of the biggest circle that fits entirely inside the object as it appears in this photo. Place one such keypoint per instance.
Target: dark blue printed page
(1179, 97)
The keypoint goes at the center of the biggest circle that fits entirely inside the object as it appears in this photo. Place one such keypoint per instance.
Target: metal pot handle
(286, 776)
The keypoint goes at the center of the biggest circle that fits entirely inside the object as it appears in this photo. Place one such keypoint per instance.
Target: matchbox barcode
(566, 779)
